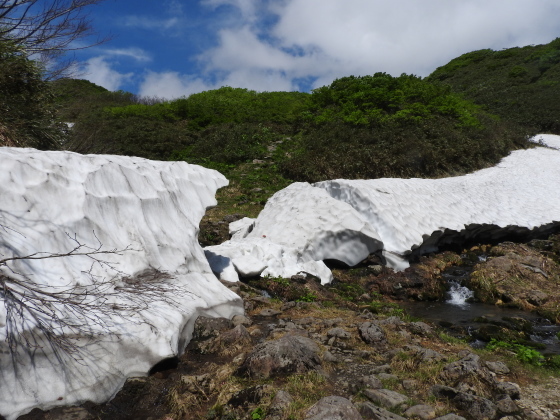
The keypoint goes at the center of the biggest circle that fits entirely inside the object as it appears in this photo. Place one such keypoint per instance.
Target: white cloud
(171, 85)
(146, 22)
(137, 54)
(334, 39)
(99, 71)
(277, 44)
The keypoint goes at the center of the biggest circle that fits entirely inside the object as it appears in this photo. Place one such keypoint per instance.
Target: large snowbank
(346, 220)
(153, 208)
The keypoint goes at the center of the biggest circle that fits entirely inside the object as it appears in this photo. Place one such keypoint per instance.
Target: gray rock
(372, 334)
(421, 411)
(477, 407)
(370, 411)
(332, 322)
(509, 388)
(468, 366)
(499, 368)
(269, 312)
(410, 384)
(370, 382)
(536, 297)
(333, 408)
(338, 333)
(329, 357)
(506, 405)
(386, 397)
(429, 355)
(450, 416)
(241, 320)
(205, 328)
(382, 369)
(392, 320)
(288, 305)
(236, 335)
(420, 328)
(305, 321)
(286, 355)
(280, 403)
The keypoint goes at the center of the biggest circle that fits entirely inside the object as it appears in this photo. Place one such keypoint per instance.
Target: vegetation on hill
(358, 127)
(518, 84)
(465, 116)
(383, 126)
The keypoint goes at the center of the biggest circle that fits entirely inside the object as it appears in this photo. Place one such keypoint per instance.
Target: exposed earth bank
(348, 350)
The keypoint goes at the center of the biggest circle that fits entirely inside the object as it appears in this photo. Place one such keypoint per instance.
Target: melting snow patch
(346, 220)
(139, 300)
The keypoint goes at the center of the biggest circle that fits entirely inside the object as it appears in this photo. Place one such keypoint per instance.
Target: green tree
(27, 112)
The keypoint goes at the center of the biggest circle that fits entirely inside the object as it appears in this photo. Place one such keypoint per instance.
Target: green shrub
(523, 353)
(27, 112)
(518, 84)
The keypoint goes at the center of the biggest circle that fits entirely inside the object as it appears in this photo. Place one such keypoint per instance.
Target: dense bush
(381, 98)
(222, 106)
(384, 126)
(27, 112)
(518, 84)
(432, 149)
(229, 144)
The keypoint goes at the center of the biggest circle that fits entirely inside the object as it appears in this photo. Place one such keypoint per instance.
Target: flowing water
(458, 312)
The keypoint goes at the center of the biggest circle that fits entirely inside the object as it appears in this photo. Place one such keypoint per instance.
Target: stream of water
(459, 310)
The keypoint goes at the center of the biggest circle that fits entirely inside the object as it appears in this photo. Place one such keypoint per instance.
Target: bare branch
(65, 319)
(47, 28)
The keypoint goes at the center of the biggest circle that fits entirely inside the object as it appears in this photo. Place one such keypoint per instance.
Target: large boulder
(286, 355)
(126, 296)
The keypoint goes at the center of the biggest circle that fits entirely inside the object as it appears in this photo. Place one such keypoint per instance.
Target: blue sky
(173, 48)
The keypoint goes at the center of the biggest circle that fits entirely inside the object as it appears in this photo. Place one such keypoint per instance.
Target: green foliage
(523, 353)
(221, 106)
(229, 144)
(27, 112)
(433, 148)
(258, 413)
(235, 105)
(161, 112)
(381, 98)
(309, 296)
(383, 126)
(518, 84)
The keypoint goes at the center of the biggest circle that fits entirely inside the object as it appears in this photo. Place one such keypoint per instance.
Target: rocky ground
(348, 351)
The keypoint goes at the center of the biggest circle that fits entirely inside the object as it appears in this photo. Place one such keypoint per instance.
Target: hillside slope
(518, 84)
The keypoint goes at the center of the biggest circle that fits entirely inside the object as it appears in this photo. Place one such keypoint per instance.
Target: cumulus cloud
(171, 84)
(303, 44)
(326, 39)
(99, 71)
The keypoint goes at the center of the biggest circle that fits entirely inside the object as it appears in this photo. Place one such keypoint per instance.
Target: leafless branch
(67, 318)
(47, 28)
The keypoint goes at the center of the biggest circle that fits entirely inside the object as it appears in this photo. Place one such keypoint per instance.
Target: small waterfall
(458, 294)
